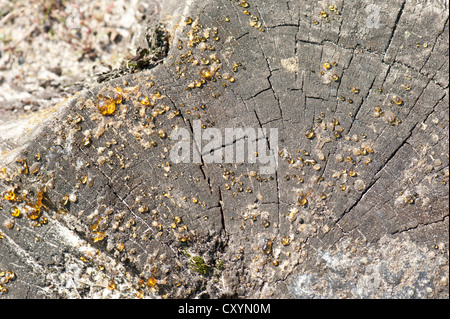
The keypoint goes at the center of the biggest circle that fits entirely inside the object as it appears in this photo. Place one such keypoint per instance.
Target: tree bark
(356, 208)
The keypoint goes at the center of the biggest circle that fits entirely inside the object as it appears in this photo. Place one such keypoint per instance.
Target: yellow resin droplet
(10, 275)
(151, 282)
(143, 100)
(117, 97)
(267, 247)
(409, 199)
(32, 211)
(84, 179)
(285, 241)
(161, 133)
(95, 224)
(86, 141)
(397, 100)
(120, 246)
(206, 73)
(188, 20)
(24, 168)
(156, 94)
(111, 285)
(198, 83)
(335, 77)
(302, 200)
(15, 212)
(327, 65)
(244, 4)
(143, 208)
(106, 106)
(10, 195)
(98, 236)
(309, 134)
(64, 200)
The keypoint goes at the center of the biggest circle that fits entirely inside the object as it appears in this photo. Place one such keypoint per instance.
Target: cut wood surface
(356, 208)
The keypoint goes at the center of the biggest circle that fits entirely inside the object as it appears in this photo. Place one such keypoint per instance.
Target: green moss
(198, 265)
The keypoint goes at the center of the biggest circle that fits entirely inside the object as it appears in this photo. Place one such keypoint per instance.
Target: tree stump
(350, 98)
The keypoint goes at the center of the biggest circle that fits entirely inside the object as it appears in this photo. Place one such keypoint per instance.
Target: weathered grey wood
(382, 233)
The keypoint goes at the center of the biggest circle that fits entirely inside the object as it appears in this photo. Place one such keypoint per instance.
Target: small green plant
(198, 265)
